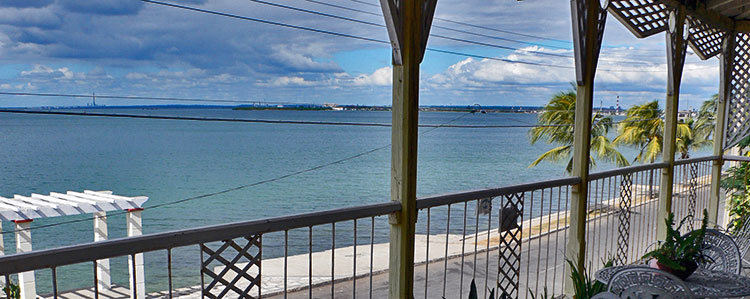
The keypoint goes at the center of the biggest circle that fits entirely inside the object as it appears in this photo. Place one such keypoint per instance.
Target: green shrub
(677, 250)
(737, 182)
(12, 291)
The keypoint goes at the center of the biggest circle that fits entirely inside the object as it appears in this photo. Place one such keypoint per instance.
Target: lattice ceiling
(704, 39)
(648, 17)
(643, 17)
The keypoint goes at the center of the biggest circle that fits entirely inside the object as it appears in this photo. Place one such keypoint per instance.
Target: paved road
(539, 264)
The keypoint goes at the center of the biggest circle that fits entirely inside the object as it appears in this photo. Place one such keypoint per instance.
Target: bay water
(170, 160)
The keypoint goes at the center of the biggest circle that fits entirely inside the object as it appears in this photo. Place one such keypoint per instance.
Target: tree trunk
(650, 184)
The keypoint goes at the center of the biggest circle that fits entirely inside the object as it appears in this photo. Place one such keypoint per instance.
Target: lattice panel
(626, 201)
(705, 40)
(692, 195)
(738, 106)
(642, 17)
(509, 257)
(238, 275)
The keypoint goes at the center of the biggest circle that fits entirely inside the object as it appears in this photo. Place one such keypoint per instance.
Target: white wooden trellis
(23, 209)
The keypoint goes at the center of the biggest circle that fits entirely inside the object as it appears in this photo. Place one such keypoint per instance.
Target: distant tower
(618, 103)
(93, 97)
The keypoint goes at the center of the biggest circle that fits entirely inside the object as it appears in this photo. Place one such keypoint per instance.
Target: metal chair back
(723, 252)
(645, 282)
(741, 236)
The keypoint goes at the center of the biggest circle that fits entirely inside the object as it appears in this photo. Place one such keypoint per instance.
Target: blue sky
(132, 48)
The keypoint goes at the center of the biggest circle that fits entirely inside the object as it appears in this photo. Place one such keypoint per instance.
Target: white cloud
(39, 71)
(291, 81)
(380, 77)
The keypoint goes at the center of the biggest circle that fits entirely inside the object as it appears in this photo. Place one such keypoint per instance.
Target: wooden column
(725, 88)
(26, 280)
(588, 27)
(408, 24)
(676, 46)
(2, 252)
(135, 266)
(104, 280)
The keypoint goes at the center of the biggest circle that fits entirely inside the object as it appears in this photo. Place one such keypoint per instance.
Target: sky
(134, 48)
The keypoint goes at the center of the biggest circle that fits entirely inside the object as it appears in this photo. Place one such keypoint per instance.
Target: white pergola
(22, 210)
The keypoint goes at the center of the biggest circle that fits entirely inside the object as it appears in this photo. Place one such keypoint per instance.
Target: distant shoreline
(473, 109)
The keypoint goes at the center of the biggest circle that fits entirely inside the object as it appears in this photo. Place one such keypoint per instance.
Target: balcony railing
(511, 239)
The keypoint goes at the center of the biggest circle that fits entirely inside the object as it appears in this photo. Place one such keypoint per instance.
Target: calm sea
(169, 160)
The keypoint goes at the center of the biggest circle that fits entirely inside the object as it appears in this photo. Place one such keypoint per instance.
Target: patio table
(703, 283)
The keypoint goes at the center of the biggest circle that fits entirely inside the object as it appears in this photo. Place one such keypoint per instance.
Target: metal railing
(511, 239)
(622, 203)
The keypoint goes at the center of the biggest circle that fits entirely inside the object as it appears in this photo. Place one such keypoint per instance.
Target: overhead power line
(480, 27)
(442, 27)
(432, 34)
(373, 39)
(266, 121)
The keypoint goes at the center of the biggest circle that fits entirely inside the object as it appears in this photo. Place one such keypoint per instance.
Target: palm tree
(643, 129)
(702, 128)
(557, 127)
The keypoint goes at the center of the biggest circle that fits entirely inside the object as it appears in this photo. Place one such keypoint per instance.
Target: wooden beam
(676, 47)
(725, 88)
(394, 25)
(714, 4)
(588, 20)
(702, 12)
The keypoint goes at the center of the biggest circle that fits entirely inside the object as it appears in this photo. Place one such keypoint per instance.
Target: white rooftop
(71, 203)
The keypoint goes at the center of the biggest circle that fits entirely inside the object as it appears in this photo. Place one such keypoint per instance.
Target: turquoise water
(168, 160)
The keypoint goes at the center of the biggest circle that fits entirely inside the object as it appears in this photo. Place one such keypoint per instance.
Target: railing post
(135, 228)
(725, 88)
(408, 24)
(26, 280)
(103, 274)
(676, 46)
(588, 19)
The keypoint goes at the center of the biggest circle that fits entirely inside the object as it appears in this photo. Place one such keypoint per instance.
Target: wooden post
(2, 252)
(676, 46)
(408, 24)
(26, 280)
(102, 266)
(135, 228)
(725, 88)
(588, 27)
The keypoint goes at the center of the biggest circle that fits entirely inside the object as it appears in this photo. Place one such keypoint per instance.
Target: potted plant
(680, 254)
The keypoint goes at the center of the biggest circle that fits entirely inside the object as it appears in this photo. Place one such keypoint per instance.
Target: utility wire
(442, 27)
(373, 39)
(481, 27)
(455, 39)
(266, 181)
(269, 121)
(468, 32)
(60, 95)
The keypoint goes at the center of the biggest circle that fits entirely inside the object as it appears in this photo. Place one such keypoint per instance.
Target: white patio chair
(645, 282)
